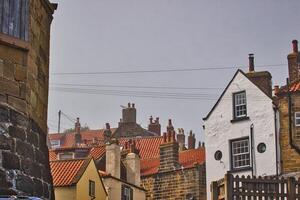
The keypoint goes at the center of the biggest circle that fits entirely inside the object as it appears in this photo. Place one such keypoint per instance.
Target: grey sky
(118, 35)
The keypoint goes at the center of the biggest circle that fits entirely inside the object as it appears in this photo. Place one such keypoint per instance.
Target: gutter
(276, 140)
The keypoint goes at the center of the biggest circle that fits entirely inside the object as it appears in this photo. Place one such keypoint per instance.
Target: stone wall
(24, 77)
(290, 158)
(176, 184)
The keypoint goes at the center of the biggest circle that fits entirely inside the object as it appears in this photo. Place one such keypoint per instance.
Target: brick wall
(24, 76)
(290, 158)
(176, 184)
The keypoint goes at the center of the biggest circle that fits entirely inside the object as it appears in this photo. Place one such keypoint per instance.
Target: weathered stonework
(176, 184)
(24, 72)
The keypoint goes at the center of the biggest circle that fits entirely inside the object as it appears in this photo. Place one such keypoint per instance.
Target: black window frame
(245, 168)
(92, 188)
(14, 18)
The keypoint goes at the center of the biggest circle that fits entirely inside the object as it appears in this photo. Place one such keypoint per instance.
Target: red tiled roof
(295, 86)
(68, 139)
(97, 152)
(66, 172)
(186, 158)
(52, 155)
(148, 147)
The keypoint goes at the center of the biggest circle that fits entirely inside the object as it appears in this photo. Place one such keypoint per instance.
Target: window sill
(239, 119)
(240, 170)
(14, 42)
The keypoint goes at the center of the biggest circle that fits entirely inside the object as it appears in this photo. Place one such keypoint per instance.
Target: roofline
(185, 168)
(110, 176)
(219, 99)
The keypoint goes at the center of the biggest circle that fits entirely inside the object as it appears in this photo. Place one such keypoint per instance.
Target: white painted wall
(219, 130)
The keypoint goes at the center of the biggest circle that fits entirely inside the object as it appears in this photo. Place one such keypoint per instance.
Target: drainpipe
(252, 152)
(276, 139)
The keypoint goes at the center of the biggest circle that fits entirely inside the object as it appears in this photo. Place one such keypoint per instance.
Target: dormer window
(239, 105)
(66, 156)
(14, 18)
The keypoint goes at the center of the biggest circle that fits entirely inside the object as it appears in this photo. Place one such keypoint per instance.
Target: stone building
(174, 174)
(288, 102)
(24, 72)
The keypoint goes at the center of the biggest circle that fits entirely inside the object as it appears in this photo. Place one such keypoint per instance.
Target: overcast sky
(134, 35)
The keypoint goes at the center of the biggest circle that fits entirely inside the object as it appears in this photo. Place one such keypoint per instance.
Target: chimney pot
(295, 46)
(151, 120)
(133, 105)
(107, 126)
(276, 89)
(157, 120)
(128, 105)
(251, 62)
(165, 137)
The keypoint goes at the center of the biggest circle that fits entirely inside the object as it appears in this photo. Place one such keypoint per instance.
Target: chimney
(261, 79)
(129, 114)
(181, 139)
(251, 62)
(77, 132)
(191, 140)
(107, 133)
(154, 126)
(113, 156)
(170, 126)
(276, 89)
(169, 154)
(132, 163)
(294, 62)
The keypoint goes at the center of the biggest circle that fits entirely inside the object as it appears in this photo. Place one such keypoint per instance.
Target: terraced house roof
(67, 172)
(187, 159)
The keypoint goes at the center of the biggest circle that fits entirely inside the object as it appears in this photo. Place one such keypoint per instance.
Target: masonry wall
(176, 184)
(290, 158)
(24, 77)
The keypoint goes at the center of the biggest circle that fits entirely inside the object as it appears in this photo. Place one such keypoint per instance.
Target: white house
(240, 130)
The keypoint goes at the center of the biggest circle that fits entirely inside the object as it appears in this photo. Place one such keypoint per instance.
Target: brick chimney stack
(191, 140)
(262, 79)
(129, 114)
(169, 154)
(251, 62)
(77, 132)
(132, 163)
(294, 62)
(113, 156)
(181, 139)
(154, 126)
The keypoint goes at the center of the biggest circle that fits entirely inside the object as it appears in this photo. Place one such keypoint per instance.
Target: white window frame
(66, 153)
(237, 105)
(297, 118)
(242, 153)
(55, 143)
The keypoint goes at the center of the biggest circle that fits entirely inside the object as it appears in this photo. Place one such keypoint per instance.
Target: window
(14, 18)
(91, 188)
(55, 143)
(240, 153)
(127, 193)
(239, 105)
(66, 156)
(297, 118)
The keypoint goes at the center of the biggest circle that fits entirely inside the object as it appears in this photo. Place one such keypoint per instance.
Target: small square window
(55, 143)
(66, 156)
(127, 193)
(91, 188)
(297, 118)
(239, 105)
(240, 153)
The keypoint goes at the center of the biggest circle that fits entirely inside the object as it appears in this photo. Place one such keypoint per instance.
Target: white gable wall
(219, 130)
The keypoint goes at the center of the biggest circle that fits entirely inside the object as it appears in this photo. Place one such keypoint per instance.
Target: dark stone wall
(24, 165)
